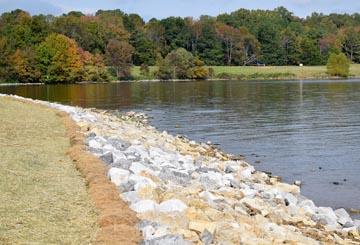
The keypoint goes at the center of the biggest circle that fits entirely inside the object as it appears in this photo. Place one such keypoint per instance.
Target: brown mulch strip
(116, 220)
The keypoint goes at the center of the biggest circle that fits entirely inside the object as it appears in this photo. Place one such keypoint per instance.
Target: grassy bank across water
(263, 72)
(43, 198)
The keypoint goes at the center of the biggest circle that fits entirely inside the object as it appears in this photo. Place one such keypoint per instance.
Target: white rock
(141, 182)
(118, 176)
(149, 232)
(108, 147)
(137, 168)
(144, 206)
(173, 205)
(100, 139)
(94, 144)
(130, 196)
(289, 197)
(208, 196)
(212, 180)
(249, 192)
(343, 216)
(308, 206)
(326, 216)
(246, 173)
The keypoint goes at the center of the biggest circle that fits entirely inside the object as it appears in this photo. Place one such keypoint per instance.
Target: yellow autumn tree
(59, 60)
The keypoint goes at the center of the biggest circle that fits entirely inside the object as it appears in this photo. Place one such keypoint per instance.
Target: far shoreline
(188, 80)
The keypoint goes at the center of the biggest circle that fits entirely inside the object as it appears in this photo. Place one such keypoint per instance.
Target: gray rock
(91, 135)
(167, 240)
(97, 151)
(118, 143)
(230, 169)
(126, 187)
(348, 224)
(206, 237)
(121, 163)
(206, 170)
(143, 223)
(107, 157)
(169, 174)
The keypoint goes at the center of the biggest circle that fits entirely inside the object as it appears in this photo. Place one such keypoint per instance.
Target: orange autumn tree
(59, 60)
(24, 66)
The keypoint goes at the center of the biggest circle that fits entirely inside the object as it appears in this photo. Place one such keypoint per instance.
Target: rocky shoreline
(189, 193)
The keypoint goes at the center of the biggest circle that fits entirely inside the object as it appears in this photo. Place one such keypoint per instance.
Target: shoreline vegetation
(106, 46)
(239, 73)
(184, 192)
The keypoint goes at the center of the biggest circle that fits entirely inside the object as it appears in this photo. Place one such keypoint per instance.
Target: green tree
(181, 64)
(310, 52)
(59, 60)
(338, 65)
(176, 65)
(144, 50)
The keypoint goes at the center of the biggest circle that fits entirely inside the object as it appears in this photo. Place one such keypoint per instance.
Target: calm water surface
(308, 131)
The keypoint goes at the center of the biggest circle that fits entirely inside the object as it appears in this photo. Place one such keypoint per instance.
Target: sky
(164, 8)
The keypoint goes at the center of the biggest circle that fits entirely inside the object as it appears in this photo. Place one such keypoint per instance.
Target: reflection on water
(307, 131)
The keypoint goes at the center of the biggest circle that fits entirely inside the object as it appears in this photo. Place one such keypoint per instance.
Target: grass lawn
(299, 72)
(43, 198)
(266, 72)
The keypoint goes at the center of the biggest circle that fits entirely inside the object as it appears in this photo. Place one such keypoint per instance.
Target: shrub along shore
(184, 192)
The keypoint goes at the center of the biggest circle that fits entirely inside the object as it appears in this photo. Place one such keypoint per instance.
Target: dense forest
(100, 47)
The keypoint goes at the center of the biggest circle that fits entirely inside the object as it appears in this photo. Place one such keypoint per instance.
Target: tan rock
(148, 192)
(200, 226)
(188, 235)
(196, 214)
(197, 203)
(213, 214)
(294, 189)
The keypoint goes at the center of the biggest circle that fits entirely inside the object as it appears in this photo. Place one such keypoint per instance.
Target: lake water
(308, 131)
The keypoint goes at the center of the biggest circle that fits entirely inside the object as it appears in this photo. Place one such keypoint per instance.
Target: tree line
(100, 47)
